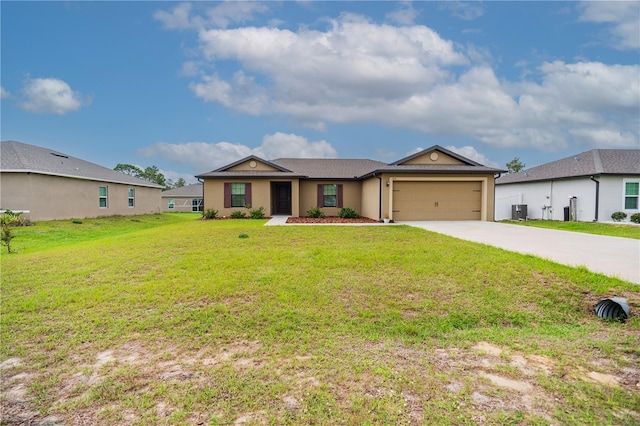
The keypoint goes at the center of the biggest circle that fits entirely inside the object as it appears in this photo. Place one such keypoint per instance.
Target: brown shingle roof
(590, 163)
(329, 168)
(20, 157)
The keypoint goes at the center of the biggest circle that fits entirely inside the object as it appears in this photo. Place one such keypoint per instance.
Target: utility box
(519, 212)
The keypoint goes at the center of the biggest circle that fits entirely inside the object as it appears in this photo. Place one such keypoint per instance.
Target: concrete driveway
(612, 256)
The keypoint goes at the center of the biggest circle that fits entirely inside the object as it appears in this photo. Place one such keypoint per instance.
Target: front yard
(173, 320)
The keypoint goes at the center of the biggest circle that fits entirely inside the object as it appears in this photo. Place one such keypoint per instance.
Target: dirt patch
(329, 220)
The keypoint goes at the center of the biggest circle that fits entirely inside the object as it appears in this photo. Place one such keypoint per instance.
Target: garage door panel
(437, 200)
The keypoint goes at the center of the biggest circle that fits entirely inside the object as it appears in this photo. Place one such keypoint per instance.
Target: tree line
(151, 174)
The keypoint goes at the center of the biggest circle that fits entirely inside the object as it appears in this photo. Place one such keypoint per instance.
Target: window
(330, 194)
(102, 195)
(237, 194)
(196, 205)
(172, 203)
(631, 195)
(132, 197)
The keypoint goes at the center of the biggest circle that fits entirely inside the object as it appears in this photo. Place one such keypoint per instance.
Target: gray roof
(590, 163)
(193, 190)
(20, 157)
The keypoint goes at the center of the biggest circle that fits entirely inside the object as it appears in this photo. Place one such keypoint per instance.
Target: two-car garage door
(448, 200)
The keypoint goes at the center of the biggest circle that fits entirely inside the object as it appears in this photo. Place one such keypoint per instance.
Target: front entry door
(283, 198)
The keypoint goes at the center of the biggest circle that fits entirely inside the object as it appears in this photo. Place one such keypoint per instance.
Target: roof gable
(251, 163)
(18, 157)
(435, 155)
(590, 163)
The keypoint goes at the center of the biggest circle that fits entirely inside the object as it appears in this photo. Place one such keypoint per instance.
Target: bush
(256, 213)
(9, 220)
(315, 212)
(238, 215)
(618, 216)
(635, 218)
(347, 213)
(210, 214)
(243, 236)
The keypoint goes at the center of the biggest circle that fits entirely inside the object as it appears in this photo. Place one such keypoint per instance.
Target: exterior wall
(214, 195)
(612, 196)
(182, 204)
(488, 189)
(351, 196)
(554, 195)
(371, 198)
(53, 197)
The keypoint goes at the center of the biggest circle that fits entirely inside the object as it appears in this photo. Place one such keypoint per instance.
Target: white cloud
(51, 95)
(205, 156)
(623, 17)
(4, 93)
(358, 71)
(467, 11)
(221, 15)
(472, 154)
(405, 14)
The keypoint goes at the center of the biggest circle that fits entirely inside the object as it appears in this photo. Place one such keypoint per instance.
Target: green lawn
(166, 319)
(610, 229)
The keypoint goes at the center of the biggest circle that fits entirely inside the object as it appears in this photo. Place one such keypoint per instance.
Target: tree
(180, 183)
(152, 174)
(8, 220)
(128, 169)
(515, 165)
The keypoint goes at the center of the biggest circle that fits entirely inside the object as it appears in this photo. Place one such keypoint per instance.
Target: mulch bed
(330, 219)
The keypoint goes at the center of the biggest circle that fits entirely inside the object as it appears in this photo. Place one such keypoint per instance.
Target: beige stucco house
(50, 185)
(187, 198)
(434, 184)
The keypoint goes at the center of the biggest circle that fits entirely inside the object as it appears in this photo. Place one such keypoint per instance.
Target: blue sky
(189, 87)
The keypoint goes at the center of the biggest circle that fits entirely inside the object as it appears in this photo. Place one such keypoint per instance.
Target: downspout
(202, 182)
(379, 196)
(597, 196)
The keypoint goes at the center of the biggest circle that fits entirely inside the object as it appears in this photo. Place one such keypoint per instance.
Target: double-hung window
(132, 197)
(103, 197)
(172, 203)
(237, 194)
(631, 191)
(330, 196)
(196, 205)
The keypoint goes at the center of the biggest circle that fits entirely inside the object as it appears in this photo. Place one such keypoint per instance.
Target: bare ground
(482, 379)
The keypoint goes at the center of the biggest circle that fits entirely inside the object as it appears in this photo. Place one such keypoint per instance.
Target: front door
(283, 197)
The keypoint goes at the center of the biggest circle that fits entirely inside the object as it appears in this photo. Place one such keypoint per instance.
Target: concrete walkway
(612, 256)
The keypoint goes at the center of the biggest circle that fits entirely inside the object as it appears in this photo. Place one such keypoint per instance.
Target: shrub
(347, 213)
(635, 218)
(315, 212)
(9, 220)
(77, 221)
(256, 213)
(243, 236)
(238, 215)
(210, 214)
(618, 216)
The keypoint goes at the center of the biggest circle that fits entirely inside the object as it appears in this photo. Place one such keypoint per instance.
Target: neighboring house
(585, 187)
(434, 184)
(187, 198)
(51, 185)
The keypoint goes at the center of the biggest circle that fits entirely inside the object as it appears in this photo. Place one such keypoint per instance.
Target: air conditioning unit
(519, 212)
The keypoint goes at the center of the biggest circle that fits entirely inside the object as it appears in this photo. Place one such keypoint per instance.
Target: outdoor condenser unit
(518, 211)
